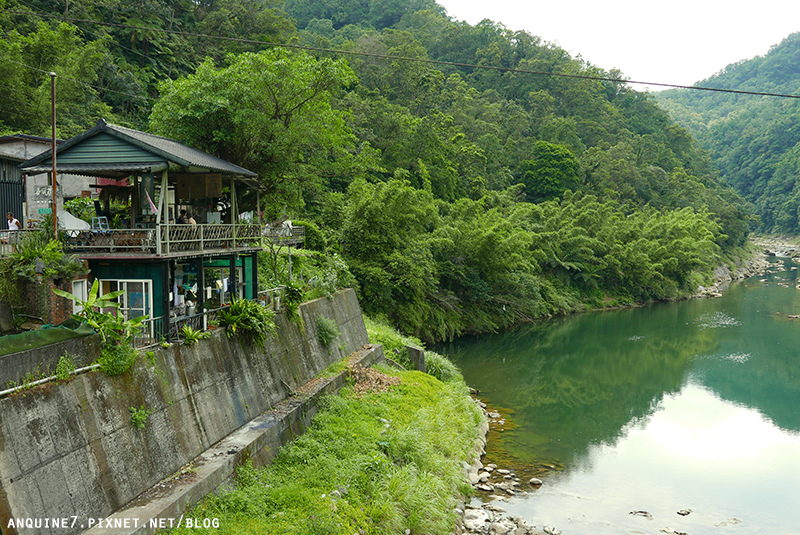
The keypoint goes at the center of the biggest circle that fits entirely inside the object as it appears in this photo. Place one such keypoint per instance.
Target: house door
(11, 191)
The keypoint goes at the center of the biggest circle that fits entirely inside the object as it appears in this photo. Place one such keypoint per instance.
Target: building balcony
(165, 240)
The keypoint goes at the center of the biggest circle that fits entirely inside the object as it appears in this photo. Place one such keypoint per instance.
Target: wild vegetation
(456, 199)
(753, 140)
(383, 456)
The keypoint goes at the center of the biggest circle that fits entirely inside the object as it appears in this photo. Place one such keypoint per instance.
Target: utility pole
(55, 183)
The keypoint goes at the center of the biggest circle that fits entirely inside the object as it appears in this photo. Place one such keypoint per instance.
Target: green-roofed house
(170, 271)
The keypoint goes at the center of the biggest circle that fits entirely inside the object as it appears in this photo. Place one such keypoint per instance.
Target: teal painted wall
(104, 148)
(153, 271)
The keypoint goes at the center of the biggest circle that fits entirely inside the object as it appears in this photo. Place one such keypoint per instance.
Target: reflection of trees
(582, 380)
(770, 385)
(769, 380)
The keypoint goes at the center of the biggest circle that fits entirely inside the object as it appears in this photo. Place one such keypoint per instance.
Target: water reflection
(688, 405)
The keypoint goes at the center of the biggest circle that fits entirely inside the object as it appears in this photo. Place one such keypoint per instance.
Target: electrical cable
(403, 58)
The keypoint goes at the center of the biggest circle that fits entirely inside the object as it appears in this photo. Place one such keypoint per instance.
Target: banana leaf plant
(101, 312)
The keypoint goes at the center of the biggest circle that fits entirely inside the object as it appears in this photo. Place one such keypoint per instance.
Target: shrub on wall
(255, 322)
(327, 331)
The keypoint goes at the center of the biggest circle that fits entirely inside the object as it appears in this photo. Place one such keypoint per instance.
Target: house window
(136, 299)
(79, 290)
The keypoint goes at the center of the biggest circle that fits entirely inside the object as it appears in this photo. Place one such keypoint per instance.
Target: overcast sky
(672, 42)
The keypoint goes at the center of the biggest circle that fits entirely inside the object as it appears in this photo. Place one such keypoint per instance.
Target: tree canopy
(751, 139)
(463, 198)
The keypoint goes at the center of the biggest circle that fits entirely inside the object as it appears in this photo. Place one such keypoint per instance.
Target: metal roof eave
(99, 170)
(41, 163)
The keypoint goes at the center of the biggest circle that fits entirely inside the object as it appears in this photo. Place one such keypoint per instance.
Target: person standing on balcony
(181, 218)
(13, 225)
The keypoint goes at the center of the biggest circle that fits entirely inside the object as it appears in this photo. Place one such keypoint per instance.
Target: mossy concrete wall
(42, 361)
(70, 450)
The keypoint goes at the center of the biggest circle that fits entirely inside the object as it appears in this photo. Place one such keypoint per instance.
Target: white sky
(672, 42)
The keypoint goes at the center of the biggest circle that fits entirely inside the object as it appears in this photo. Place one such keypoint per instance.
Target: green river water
(691, 405)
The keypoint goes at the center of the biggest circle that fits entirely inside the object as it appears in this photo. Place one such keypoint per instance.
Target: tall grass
(394, 346)
(380, 463)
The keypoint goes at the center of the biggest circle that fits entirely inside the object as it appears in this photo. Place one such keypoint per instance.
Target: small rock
(645, 514)
(535, 482)
(493, 508)
(550, 530)
(684, 512)
(476, 519)
(485, 487)
(501, 527)
(483, 477)
(503, 471)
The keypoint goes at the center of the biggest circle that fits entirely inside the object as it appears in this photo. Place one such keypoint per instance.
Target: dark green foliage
(116, 358)
(39, 256)
(415, 172)
(552, 170)
(314, 238)
(253, 321)
(753, 140)
(484, 265)
(327, 331)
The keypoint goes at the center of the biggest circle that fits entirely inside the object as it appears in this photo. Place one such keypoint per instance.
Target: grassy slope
(379, 457)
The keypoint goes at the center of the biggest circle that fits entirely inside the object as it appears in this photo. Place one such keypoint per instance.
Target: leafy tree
(552, 170)
(25, 61)
(268, 112)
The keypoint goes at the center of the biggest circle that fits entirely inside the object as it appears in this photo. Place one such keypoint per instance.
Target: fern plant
(327, 331)
(255, 322)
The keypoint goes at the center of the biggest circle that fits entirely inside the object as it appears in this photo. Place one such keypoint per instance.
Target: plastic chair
(100, 223)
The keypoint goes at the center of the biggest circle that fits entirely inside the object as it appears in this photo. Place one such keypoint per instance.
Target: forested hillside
(465, 181)
(753, 140)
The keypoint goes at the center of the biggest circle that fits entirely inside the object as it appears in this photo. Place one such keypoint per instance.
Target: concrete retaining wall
(69, 450)
(43, 360)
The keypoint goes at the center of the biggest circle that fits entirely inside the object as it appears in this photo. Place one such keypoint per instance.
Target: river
(690, 407)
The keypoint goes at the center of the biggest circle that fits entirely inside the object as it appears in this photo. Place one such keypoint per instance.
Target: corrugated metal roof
(100, 164)
(111, 170)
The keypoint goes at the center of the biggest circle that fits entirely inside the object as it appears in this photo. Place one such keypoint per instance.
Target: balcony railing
(173, 238)
(154, 330)
(9, 239)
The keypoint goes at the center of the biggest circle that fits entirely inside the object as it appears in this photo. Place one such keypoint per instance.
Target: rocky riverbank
(756, 264)
(483, 515)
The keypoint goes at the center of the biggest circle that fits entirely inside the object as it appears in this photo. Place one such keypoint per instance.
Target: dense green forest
(466, 184)
(753, 140)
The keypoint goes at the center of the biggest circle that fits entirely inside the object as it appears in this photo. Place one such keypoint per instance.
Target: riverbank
(756, 263)
(384, 456)
(484, 514)
(388, 454)
(496, 480)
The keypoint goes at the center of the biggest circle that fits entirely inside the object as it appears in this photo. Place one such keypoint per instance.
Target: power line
(61, 77)
(403, 58)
